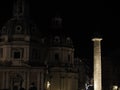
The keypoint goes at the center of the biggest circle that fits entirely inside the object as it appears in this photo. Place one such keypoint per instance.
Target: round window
(18, 28)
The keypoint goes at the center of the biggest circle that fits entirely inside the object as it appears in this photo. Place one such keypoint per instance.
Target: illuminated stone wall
(21, 77)
(63, 81)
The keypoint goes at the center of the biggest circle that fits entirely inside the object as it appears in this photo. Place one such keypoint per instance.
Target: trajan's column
(97, 64)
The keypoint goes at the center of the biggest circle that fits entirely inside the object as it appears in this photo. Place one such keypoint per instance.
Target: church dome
(20, 26)
(56, 34)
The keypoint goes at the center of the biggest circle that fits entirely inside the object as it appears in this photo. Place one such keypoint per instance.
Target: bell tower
(20, 8)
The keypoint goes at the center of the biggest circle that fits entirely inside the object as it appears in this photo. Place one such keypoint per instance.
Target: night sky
(81, 20)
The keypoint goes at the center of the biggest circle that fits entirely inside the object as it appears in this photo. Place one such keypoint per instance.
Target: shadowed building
(19, 47)
(26, 57)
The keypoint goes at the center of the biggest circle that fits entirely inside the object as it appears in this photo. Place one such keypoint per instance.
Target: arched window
(69, 58)
(68, 40)
(56, 56)
(1, 52)
(57, 39)
(17, 53)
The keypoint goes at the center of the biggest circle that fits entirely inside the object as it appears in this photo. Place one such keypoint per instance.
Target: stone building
(26, 57)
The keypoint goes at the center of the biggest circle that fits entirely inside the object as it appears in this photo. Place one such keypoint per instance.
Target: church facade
(27, 58)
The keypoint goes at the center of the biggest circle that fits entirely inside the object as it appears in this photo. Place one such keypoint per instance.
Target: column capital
(96, 39)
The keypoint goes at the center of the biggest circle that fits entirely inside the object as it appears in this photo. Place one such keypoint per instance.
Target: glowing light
(115, 87)
(48, 84)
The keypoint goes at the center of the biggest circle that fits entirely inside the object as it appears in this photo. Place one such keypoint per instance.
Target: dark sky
(81, 20)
